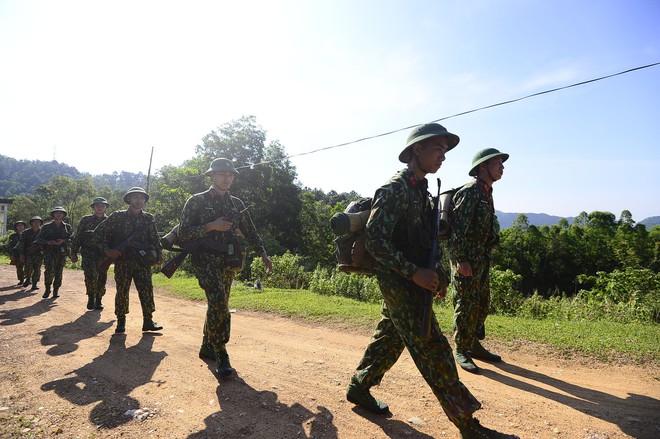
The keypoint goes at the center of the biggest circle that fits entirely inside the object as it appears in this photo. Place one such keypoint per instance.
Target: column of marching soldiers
(215, 228)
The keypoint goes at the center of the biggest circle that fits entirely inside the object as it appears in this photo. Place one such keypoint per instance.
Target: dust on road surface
(66, 374)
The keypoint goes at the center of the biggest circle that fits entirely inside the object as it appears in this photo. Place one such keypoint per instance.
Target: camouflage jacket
(117, 227)
(26, 241)
(474, 225)
(398, 233)
(12, 245)
(207, 206)
(50, 232)
(85, 232)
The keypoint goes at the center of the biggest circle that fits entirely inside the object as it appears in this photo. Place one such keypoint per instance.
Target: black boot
(465, 361)
(20, 282)
(474, 430)
(90, 302)
(55, 293)
(46, 293)
(121, 324)
(148, 324)
(97, 302)
(35, 286)
(206, 350)
(223, 367)
(479, 352)
(360, 395)
(26, 282)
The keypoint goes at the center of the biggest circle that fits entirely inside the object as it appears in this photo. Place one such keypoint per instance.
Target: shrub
(624, 295)
(288, 272)
(504, 298)
(354, 286)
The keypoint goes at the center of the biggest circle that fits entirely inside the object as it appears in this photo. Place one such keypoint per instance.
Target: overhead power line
(458, 114)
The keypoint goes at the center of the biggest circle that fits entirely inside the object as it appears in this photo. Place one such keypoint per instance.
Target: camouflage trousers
(94, 278)
(53, 269)
(33, 268)
(400, 327)
(20, 270)
(133, 270)
(471, 299)
(216, 283)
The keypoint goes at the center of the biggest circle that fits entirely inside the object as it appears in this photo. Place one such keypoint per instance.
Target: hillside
(507, 219)
(18, 177)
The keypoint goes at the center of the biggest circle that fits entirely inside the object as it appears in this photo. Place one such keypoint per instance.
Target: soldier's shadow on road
(392, 428)
(65, 338)
(18, 295)
(20, 315)
(636, 415)
(247, 412)
(109, 379)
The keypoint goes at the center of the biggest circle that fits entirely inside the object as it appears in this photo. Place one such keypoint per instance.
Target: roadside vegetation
(588, 284)
(592, 325)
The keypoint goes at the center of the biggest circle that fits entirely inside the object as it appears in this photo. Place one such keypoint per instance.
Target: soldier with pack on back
(214, 216)
(55, 238)
(31, 253)
(398, 236)
(14, 255)
(473, 237)
(133, 263)
(92, 255)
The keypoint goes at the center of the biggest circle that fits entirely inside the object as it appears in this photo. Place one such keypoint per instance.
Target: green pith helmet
(19, 222)
(36, 218)
(57, 209)
(483, 156)
(221, 165)
(135, 190)
(99, 200)
(426, 131)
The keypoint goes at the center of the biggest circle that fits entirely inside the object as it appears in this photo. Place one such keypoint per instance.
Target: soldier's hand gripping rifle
(191, 246)
(427, 310)
(122, 246)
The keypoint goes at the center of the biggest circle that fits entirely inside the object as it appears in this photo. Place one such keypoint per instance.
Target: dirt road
(65, 374)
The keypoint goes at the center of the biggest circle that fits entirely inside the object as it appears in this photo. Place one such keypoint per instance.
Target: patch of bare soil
(66, 374)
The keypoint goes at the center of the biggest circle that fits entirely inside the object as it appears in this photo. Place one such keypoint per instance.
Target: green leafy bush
(624, 295)
(505, 299)
(288, 272)
(354, 286)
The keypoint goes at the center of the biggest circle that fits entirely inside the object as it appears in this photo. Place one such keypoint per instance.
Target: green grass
(602, 340)
(605, 341)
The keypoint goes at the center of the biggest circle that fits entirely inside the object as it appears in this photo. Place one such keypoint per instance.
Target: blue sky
(97, 84)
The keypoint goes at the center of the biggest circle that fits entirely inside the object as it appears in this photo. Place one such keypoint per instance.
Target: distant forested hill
(18, 177)
(507, 219)
(651, 222)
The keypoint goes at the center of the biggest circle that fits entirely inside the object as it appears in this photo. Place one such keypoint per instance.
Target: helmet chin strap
(419, 165)
(490, 175)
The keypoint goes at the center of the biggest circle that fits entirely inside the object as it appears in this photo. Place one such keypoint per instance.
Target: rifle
(427, 310)
(103, 266)
(191, 246)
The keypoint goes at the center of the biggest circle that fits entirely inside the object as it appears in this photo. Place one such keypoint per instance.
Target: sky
(96, 85)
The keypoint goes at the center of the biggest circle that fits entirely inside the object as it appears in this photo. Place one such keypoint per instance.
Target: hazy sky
(96, 84)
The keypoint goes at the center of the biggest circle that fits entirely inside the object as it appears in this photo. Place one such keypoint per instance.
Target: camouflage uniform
(211, 270)
(92, 255)
(54, 255)
(14, 238)
(131, 265)
(398, 236)
(33, 256)
(473, 236)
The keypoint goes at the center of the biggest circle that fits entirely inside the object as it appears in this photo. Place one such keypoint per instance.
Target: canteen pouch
(235, 257)
(148, 256)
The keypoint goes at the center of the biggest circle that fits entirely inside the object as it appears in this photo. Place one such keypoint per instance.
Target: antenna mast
(149, 172)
